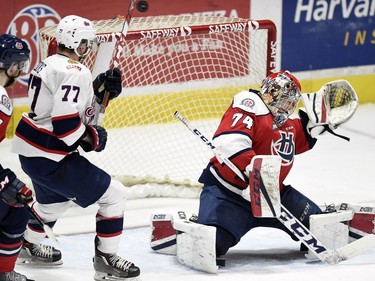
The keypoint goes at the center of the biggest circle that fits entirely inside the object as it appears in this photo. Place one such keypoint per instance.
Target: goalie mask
(281, 93)
(76, 33)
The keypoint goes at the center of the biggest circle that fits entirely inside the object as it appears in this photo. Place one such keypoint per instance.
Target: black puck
(142, 6)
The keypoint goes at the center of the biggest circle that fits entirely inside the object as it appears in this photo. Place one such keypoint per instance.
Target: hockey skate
(112, 267)
(39, 255)
(13, 276)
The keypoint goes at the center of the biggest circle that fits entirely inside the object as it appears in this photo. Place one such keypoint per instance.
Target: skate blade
(99, 276)
(37, 263)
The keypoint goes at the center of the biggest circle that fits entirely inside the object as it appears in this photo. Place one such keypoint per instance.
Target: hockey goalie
(255, 145)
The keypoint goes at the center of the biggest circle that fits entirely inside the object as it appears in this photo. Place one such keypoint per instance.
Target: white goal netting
(191, 64)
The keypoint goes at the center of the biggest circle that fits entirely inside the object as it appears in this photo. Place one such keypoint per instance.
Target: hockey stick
(47, 229)
(209, 145)
(116, 61)
(303, 234)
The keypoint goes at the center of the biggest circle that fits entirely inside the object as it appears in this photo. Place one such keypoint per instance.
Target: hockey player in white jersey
(14, 60)
(63, 98)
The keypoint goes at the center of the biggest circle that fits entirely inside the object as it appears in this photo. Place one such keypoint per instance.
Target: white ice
(334, 171)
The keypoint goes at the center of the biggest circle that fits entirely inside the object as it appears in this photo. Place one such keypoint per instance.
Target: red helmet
(281, 93)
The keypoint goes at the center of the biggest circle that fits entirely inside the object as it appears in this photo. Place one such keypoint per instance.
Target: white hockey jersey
(61, 104)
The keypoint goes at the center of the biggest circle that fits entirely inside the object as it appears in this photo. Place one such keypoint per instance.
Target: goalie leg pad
(193, 243)
(163, 234)
(361, 225)
(363, 222)
(196, 245)
(331, 229)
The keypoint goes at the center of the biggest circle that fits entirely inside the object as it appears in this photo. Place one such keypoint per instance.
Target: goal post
(192, 64)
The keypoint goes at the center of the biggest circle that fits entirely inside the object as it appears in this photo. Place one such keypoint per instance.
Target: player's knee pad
(298, 204)
(113, 201)
(51, 212)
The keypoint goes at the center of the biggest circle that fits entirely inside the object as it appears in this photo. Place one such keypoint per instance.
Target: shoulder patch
(5, 105)
(248, 102)
(40, 67)
(245, 100)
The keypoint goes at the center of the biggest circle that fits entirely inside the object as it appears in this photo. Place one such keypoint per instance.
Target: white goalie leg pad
(163, 234)
(196, 245)
(331, 229)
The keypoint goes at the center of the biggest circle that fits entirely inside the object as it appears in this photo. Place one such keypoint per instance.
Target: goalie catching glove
(109, 81)
(334, 104)
(94, 138)
(13, 191)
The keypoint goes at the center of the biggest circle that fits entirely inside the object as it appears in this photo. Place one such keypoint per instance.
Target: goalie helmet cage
(187, 63)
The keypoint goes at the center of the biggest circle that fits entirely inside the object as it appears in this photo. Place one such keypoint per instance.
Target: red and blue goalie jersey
(247, 129)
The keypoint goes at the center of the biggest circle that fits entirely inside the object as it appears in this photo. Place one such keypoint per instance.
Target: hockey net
(191, 64)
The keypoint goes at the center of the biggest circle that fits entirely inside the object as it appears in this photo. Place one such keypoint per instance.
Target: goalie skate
(39, 255)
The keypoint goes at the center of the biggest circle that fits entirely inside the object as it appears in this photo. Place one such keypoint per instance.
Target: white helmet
(281, 93)
(73, 30)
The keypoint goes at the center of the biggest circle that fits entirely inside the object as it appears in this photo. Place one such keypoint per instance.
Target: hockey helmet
(73, 30)
(14, 51)
(281, 93)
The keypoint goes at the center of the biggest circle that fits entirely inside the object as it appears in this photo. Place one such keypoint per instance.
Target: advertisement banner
(24, 18)
(322, 34)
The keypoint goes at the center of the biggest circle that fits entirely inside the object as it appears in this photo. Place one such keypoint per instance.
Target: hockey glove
(109, 81)
(312, 130)
(94, 138)
(13, 191)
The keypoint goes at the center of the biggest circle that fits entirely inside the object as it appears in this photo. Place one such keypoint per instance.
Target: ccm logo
(159, 217)
(366, 209)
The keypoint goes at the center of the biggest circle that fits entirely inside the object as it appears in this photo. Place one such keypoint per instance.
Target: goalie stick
(209, 145)
(119, 46)
(302, 233)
